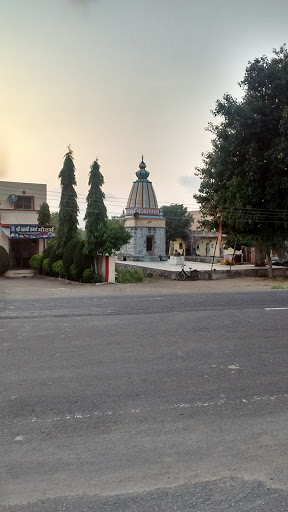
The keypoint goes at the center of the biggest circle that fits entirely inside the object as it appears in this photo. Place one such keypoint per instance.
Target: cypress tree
(96, 212)
(68, 208)
(44, 217)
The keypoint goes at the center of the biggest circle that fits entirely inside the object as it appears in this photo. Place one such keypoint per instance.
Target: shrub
(227, 261)
(36, 262)
(53, 257)
(68, 254)
(59, 269)
(48, 249)
(81, 260)
(4, 260)
(73, 272)
(46, 266)
(129, 276)
(89, 275)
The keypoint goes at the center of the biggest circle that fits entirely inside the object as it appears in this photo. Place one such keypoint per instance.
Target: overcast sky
(118, 78)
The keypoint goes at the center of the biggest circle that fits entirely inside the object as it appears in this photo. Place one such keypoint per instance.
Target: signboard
(31, 231)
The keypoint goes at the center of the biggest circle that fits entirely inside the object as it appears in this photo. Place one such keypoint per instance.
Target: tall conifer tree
(96, 212)
(44, 216)
(68, 208)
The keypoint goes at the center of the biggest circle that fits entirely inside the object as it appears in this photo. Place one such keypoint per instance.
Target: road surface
(145, 403)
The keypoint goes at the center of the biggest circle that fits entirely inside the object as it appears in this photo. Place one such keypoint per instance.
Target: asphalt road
(145, 403)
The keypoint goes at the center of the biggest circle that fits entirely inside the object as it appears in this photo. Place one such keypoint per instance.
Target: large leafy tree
(44, 216)
(178, 222)
(244, 176)
(96, 212)
(68, 208)
(116, 235)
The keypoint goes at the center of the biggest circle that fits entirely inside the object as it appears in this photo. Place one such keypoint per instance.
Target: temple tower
(145, 221)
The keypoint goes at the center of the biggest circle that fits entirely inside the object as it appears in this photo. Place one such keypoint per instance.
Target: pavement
(199, 265)
(122, 401)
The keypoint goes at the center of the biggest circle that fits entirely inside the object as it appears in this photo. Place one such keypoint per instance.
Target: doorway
(149, 243)
(21, 252)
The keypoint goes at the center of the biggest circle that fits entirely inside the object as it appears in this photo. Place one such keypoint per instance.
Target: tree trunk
(270, 270)
(95, 265)
(259, 256)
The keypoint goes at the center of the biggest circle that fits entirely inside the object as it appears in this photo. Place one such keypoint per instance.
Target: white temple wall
(137, 248)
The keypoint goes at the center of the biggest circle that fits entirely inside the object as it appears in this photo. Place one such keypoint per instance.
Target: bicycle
(194, 275)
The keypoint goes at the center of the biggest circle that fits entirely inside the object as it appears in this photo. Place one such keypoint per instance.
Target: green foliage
(81, 260)
(241, 241)
(96, 213)
(129, 276)
(54, 219)
(59, 269)
(46, 266)
(68, 208)
(178, 222)
(89, 275)
(48, 249)
(244, 176)
(115, 236)
(4, 260)
(73, 273)
(36, 262)
(69, 252)
(53, 256)
(44, 217)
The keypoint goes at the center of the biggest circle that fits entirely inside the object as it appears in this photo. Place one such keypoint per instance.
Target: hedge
(4, 260)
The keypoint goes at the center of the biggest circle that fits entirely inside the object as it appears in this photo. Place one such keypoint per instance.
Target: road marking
(217, 402)
(269, 309)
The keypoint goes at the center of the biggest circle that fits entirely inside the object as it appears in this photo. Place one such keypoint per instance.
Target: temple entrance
(149, 243)
(21, 251)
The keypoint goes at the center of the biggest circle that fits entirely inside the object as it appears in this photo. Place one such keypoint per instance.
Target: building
(144, 221)
(201, 243)
(20, 234)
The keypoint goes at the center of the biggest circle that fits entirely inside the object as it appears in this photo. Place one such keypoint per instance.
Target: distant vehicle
(279, 262)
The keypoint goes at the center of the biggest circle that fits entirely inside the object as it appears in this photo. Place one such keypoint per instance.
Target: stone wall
(136, 249)
(148, 272)
(205, 275)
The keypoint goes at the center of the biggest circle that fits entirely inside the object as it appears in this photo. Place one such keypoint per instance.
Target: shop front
(25, 240)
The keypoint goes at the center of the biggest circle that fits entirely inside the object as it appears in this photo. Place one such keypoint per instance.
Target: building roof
(142, 193)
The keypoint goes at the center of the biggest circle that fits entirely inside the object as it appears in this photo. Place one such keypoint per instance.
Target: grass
(279, 287)
(129, 276)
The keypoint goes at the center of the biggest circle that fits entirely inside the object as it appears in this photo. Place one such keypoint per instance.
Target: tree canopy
(44, 217)
(103, 236)
(244, 176)
(68, 208)
(178, 222)
(55, 219)
(96, 212)
(116, 235)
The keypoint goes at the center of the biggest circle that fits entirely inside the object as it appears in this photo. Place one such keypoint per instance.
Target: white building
(20, 234)
(144, 221)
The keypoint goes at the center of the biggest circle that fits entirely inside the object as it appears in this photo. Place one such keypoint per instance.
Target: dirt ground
(50, 287)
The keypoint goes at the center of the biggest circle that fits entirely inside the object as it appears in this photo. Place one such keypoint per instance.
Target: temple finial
(142, 158)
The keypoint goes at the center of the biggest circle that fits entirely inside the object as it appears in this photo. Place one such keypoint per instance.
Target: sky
(116, 79)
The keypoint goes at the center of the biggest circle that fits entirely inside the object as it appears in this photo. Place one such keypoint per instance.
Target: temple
(145, 222)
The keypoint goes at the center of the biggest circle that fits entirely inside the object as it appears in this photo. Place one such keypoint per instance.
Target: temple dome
(142, 193)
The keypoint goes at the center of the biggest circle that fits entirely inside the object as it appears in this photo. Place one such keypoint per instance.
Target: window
(180, 245)
(24, 203)
(149, 243)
